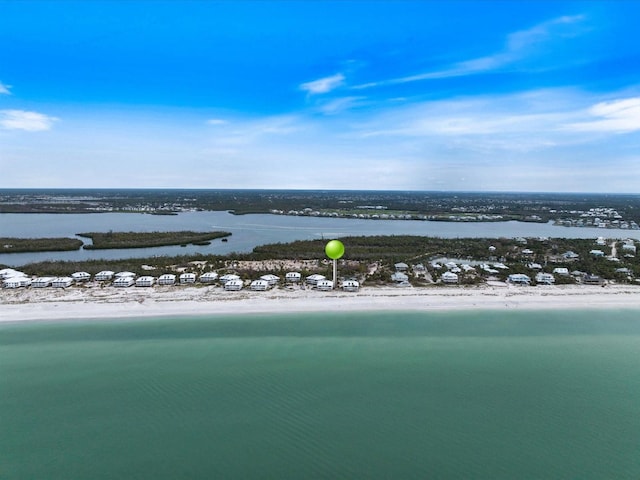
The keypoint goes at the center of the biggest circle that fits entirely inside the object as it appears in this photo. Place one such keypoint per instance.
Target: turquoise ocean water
(456, 395)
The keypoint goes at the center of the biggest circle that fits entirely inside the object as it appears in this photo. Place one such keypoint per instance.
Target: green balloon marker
(334, 249)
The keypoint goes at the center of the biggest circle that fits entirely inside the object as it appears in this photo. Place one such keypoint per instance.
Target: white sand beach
(88, 303)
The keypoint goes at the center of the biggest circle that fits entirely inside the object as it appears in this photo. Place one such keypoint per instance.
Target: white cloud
(339, 105)
(4, 89)
(216, 121)
(618, 116)
(323, 85)
(23, 120)
(518, 46)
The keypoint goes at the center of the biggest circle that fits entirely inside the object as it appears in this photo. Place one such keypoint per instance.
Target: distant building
(292, 277)
(545, 278)
(209, 277)
(167, 279)
(187, 278)
(350, 286)
(145, 281)
(449, 277)
(561, 271)
(401, 267)
(324, 285)
(519, 279)
(259, 285)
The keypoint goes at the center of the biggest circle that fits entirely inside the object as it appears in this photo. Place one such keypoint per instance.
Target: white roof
(210, 275)
(316, 276)
(229, 277)
(167, 276)
(187, 275)
(270, 277)
(124, 274)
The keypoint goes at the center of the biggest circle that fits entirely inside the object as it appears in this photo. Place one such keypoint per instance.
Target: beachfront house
(187, 278)
(125, 281)
(228, 278)
(561, 271)
(233, 285)
(81, 276)
(104, 275)
(167, 279)
(209, 277)
(597, 253)
(543, 278)
(270, 279)
(401, 267)
(16, 282)
(259, 285)
(519, 279)
(145, 281)
(449, 277)
(324, 285)
(350, 286)
(399, 277)
(314, 279)
(62, 282)
(292, 277)
(42, 282)
(589, 279)
(10, 272)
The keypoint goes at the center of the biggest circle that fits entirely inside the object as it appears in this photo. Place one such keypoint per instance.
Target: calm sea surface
(252, 230)
(487, 395)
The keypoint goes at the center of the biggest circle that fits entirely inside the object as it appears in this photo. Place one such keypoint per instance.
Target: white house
(81, 276)
(629, 246)
(561, 271)
(314, 279)
(187, 278)
(16, 282)
(399, 277)
(42, 282)
(519, 279)
(597, 253)
(209, 277)
(401, 267)
(104, 275)
(124, 281)
(535, 266)
(62, 282)
(292, 277)
(270, 279)
(259, 285)
(167, 279)
(350, 285)
(545, 278)
(145, 281)
(449, 277)
(233, 285)
(228, 277)
(324, 285)
(10, 272)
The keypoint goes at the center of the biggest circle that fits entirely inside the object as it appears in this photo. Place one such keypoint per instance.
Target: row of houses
(231, 282)
(543, 278)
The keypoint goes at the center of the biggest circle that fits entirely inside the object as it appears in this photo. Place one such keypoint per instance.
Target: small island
(115, 240)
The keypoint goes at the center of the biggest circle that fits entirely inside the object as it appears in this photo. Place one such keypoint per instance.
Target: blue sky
(403, 95)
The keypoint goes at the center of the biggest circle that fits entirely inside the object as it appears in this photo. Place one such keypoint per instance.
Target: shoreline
(95, 303)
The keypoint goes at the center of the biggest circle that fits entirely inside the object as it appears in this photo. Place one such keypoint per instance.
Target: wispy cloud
(618, 116)
(323, 85)
(4, 89)
(24, 120)
(518, 46)
(216, 121)
(339, 105)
